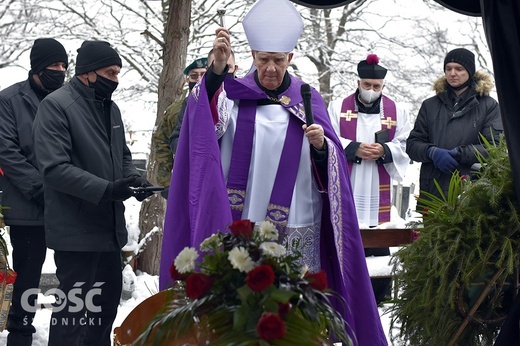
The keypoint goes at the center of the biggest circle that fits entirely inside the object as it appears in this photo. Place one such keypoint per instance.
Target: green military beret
(199, 63)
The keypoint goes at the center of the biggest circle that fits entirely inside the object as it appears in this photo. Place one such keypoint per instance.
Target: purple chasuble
(198, 203)
(348, 129)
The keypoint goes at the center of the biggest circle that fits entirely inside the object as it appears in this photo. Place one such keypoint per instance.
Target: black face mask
(103, 87)
(52, 79)
(191, 85)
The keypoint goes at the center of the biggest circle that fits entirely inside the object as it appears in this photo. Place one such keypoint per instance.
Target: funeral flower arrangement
(244, 288)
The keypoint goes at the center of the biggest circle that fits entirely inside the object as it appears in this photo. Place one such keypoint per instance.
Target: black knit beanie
(93, 55)
(463, 57)
(47, 51)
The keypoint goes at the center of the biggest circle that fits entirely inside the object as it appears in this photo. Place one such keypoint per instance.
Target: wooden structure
(137, 322)
(389, 237)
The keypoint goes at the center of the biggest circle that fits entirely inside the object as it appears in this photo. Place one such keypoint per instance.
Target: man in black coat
(87, 172)
(22, 184)
(446, 134)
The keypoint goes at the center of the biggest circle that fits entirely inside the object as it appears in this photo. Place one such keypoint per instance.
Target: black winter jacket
(441, 124)
(21, 184)
(78, 159)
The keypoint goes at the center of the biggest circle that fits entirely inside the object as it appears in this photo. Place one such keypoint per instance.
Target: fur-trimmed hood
(482, 79)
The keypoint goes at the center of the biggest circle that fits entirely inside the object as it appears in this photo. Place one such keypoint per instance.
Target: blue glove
(444, 159)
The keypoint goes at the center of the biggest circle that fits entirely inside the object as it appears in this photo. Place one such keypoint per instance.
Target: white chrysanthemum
(210, 243)
(268, 231)
(273, 249)
(185, 261)
(303, 270)
(240, 259)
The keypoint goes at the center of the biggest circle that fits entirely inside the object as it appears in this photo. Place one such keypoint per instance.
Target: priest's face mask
(370, 89)
(271, 68)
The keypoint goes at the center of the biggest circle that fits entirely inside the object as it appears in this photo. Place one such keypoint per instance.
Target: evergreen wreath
(458, 279)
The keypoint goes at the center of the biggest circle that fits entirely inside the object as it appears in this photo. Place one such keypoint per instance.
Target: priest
(373, 130)
(246, 152)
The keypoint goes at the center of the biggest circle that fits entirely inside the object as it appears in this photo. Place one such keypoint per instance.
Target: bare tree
(18, 30)
(135, 28)
(410, 43)
(175, 46)
(410, 40)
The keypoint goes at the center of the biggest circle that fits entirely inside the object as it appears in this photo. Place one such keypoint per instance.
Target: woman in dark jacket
(446, 134)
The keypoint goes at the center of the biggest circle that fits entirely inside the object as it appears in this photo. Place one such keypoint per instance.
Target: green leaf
(244, 292)
(271, 306)
(240, 318)
(282, 296)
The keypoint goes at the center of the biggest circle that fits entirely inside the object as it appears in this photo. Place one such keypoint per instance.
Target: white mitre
(273, 26)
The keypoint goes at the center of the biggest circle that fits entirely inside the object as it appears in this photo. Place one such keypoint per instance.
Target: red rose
(242, 228)
(283, 309)
(270, 326)
(11, 277)
(175, 275)
(317, 280)
(259, 278)
(197, 285)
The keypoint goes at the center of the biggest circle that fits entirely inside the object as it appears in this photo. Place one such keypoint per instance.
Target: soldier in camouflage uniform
(163, 153)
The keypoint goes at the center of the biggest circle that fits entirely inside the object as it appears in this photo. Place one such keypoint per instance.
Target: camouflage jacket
(163, 153)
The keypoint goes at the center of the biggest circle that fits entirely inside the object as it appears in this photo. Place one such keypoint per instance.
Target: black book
(382, 136)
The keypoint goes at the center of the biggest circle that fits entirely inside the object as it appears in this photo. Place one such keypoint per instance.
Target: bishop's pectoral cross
(388, 122)
(348, 115)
